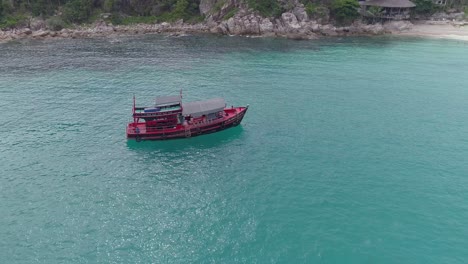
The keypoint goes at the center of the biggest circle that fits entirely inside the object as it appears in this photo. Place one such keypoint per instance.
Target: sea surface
(353, 150)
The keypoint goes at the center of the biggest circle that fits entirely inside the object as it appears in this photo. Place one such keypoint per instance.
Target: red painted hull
(231, 118)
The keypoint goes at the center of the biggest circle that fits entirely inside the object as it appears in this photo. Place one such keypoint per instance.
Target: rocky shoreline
(290, 25)
(234, 17)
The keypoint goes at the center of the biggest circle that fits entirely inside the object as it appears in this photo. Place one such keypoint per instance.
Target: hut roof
(389, 3)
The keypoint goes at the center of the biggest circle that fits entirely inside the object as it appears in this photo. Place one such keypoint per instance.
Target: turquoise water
(353, 151)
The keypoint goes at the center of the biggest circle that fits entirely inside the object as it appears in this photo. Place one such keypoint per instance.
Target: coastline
(288, 27)
(439, 30)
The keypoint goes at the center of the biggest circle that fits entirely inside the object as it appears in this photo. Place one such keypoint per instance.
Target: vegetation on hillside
(61, 13)
(345, 11)
(424, 7)
(16, 12)
(267, 8)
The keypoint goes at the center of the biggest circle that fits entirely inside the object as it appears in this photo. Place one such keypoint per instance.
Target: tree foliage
(424, 7)
(345, 11)
(267, 8)
(77, 11)
(132, 11)
(80, 11)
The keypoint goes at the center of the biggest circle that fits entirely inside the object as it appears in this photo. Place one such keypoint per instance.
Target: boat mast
(133, 110)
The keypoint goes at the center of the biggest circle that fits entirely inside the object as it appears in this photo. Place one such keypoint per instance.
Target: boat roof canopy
(199, 108)
(168, 100)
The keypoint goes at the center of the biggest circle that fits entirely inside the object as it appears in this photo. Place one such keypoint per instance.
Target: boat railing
(202, 123)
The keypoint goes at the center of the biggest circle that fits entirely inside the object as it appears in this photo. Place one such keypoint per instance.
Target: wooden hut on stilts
(384, 10)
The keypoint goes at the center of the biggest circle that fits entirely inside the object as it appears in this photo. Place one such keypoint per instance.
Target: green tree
(77, 11)
(424, 7)
(108, 5)
(40, 8)
(345, 11)
(184, 9)
(266, 8)
(180, 9)
(375, 10)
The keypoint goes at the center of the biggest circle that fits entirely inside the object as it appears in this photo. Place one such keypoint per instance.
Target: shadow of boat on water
(208, 141)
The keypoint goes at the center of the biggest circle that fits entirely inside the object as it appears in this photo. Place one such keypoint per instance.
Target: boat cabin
(169, 111)
(166, 112)
(203, 111)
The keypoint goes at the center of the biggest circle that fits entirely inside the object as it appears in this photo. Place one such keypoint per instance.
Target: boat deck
(231, 117)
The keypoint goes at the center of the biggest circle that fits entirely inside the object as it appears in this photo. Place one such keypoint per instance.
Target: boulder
(210, 22)
(460, 16)
(266, 26)
(300, 13)
(301, 36)
(397, 26)
(328, 30)
(102, 26)
(251, 25)
(279, 29)
(27, 31)
(105, 15)
(206, 6)
(439, 16)
(219, 29)
(37, 24)
(40, 33)
(289, 21)
(374, 29)
(234, 25)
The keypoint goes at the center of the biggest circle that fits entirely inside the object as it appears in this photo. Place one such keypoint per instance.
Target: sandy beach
(436, 29)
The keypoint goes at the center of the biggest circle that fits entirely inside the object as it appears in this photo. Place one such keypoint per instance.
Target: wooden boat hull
(232, 117)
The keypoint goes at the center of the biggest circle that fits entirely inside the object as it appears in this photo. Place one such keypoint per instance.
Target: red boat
(169, 118)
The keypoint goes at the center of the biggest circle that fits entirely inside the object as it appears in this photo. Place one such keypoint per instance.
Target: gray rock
(105, 15)
(301, 36)
(210, 22)
(101, 26)
(328, 30)
(451, 16)
(374, 29)
(27, 31)
(300, 13)
(41, 33)
(231, 24)
(235, 26)
(289, 21)
(251, 26)
(37, 24)
(279, 28)
(457, 16)
(397, 26)
(206, 6)
(219, 29)
(266, 26)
